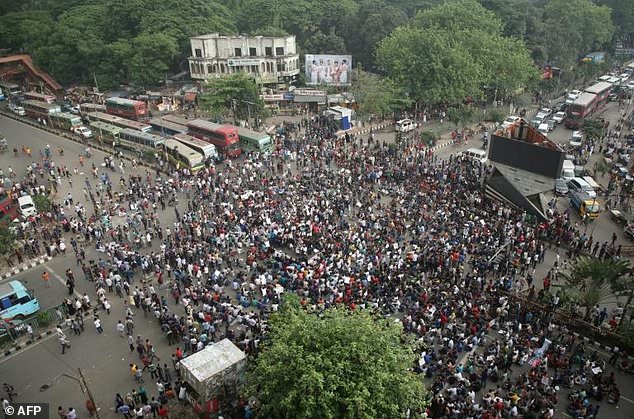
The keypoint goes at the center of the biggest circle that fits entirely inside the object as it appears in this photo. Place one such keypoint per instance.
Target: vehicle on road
(224, 137)
(576, 139)
(16, 301)
(628, 231)
(66, 121)
(579, 185)
(406, 125)
(543, 128)
(572, 96)
(127, 108)
(561, 187)
(27, 206)
(585, 205)
(208, 150)
(182, 156)
(475, 154)
(83, 132)
(255, 141)
(568, 170)
(510, 121)
(18, 110)
(630, 85)
(559, 117)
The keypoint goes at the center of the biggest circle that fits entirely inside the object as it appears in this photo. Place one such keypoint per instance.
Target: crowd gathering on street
(348, 221)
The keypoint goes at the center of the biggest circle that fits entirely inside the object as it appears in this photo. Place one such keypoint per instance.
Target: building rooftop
(213, 359)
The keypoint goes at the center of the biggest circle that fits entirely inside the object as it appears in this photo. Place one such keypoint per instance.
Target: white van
(475, 154)
(405, 125)
(592, 183)
(27, 206)
(568, 170)
(543, 129)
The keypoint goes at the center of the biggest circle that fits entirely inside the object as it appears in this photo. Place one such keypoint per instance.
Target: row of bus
(230, 140)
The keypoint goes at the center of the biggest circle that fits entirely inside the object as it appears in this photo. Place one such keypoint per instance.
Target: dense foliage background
(143, 41)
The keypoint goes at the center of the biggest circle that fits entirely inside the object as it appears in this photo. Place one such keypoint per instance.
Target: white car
(546, 111)
(576, 139)
(572, 96)
(27, 206)
(630, 85)
(541, 116)
(510, 121)
(559, 117)
(18, 110)
(543, 128)
(83, 132)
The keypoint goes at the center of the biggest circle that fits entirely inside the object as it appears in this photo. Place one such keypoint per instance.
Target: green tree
(460, 115)
(624, 287)
(42, 203)
(377, 96)
(152, 54)
(455, 51)
(593, 281)
(593, 129)
(337, 364)
(7, 240)
(236, 94)
(575, 27)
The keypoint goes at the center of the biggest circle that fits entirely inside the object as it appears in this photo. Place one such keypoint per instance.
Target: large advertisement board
(328, 69)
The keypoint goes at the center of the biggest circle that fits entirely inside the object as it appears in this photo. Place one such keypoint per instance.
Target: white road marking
(62, 281)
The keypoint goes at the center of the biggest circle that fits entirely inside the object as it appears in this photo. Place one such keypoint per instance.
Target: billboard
(328, 69)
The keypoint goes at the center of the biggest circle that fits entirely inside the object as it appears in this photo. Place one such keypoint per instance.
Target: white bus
(208, 150)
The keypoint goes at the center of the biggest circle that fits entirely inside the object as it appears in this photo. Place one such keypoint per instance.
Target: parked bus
(224, 137)
(16, 301)
(37, 109)
(66, 121)
(182, 156)
(255, 141)
(120, 122)
(141, 141)
(602, 90)
(127, 108)
(175, 120)
(167, 128)
(39, 96)
(581, 108)
(86, 108)
(105, 132)
(208, 150)
(10, 89)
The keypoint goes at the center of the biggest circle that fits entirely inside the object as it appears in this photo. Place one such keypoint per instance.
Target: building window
(279, 67)
(198, 52)
(268, 51)
(210, 69)
(254, 69)
(263, 68)
(252, 52)
(191, 68)
(222, 68)
(279, 51)
(237, 52)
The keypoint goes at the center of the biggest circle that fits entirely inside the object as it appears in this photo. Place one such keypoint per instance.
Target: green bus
(65, 120)
(106, 132)
(255, 141)
(182, 156)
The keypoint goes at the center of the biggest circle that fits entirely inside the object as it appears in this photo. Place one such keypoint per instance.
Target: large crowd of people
(339, 221)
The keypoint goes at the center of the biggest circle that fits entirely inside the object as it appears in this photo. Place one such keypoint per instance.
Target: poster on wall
(328, 69)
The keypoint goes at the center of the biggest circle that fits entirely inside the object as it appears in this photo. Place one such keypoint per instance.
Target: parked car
(510, 121)
(572, 96)
(26, 206)
(560, 107)
(551, 124)
(561, 187)
(576, 139)
(83, 132)
(559, 117)
(630, 85)
(18, 110)
(546, 111)
(577, 184)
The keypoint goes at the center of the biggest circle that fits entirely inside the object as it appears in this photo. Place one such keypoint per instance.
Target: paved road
(105, 358)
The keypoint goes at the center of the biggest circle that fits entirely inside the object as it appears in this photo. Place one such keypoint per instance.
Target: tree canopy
(236, 94)
(76, 40)
(594, 281)
(336, 364)
(455, 51)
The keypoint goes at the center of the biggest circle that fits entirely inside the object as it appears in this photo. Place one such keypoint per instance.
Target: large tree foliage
(337, 364)
(593, 281)
(378, 96)
(455, 51)
(236, 94)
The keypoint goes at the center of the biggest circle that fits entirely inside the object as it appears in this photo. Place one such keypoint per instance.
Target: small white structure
(217, 365)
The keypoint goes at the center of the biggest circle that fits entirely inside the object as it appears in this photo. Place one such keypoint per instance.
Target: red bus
(127, 108)
(224, 137)
(40, 97)
(581, 108)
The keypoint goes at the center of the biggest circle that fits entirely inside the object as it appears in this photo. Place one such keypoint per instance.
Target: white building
(269, 59)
